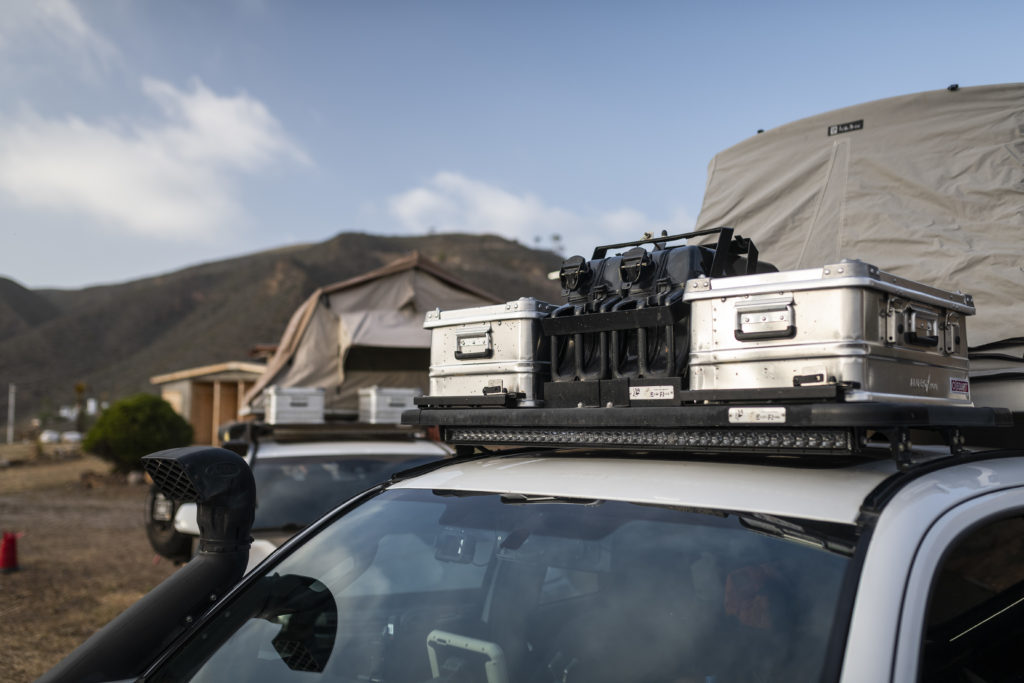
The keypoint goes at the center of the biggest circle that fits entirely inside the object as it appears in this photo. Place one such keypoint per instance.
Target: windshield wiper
(523, 498)
(815, 535)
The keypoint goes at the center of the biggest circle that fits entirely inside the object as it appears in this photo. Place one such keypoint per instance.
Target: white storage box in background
(384, 405)
(294, 405)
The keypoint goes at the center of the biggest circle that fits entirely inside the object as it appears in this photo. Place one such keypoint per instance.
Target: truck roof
(824, 493)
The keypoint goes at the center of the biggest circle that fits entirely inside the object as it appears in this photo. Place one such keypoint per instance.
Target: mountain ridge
(114, 337)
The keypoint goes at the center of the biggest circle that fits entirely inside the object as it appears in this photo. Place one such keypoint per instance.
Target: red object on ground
(9, 552)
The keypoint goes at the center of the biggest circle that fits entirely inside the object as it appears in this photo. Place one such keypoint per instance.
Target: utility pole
(10, 412)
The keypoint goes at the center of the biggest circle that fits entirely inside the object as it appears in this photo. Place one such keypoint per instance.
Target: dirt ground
(82, 560)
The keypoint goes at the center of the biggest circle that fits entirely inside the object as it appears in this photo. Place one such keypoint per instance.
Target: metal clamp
(573, 271)
(634, 262)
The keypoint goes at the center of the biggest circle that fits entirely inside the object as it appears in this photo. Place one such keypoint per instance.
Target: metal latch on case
(766, 318)
(951, 330)
(473, 343)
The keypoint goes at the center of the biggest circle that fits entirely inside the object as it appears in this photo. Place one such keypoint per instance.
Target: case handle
(765, 319)
(917, 325)
(922, 340)
(474, 343)
(922, 327)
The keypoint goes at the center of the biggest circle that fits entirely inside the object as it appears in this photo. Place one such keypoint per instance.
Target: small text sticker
(848, 127)
(757, 415)
(652, 393)
(959, 386)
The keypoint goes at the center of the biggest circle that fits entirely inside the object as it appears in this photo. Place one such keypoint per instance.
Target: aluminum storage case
(384, 405)
(490, 350)
(883, 337)
(295, 405)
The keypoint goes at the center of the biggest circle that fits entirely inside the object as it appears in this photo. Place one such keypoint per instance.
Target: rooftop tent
(929, 186)
(365, 331)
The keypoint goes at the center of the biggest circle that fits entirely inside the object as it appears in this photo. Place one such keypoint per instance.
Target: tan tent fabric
(929, 186)
(381, 310)
(393, 329)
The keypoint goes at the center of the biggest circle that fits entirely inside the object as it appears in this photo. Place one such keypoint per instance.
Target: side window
(975, 618)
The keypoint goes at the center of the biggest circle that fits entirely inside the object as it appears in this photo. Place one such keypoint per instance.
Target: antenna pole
(10, 412)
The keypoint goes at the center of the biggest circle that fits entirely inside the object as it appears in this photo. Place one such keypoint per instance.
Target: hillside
(21, 309)
(115, 337)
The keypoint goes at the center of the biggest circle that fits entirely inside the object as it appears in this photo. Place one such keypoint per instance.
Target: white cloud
(170, 179)
(235, 131)
(27, 26)
(451, 202)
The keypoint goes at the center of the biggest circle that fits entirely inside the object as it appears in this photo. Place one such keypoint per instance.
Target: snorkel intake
(221, 484)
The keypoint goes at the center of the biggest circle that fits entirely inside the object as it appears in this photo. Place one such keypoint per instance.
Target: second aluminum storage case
(883, 337)
(489, 351)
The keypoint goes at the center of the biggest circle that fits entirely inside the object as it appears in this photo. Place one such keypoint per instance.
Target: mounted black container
(624, 317)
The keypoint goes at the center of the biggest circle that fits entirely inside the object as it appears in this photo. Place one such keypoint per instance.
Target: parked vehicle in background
(301, 472)
(71, 437)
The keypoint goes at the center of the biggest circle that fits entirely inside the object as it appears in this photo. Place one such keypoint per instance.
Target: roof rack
(642, 357)
(821, 428)
(325, 431)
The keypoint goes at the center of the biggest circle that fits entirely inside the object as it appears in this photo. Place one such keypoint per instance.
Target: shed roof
(229, 370)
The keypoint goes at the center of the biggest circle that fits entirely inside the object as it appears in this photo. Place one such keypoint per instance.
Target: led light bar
(784, 440)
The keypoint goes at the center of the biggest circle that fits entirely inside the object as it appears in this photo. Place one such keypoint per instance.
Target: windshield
(293, 492)
(416, 586)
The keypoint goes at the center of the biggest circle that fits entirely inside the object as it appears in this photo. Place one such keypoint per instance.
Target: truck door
(962, 617)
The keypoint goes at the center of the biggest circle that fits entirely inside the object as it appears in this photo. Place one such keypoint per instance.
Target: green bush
(134, 427)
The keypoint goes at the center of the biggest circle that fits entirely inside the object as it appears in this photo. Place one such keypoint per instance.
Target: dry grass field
(83, 557)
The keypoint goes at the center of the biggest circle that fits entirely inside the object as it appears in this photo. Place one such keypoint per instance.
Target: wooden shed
(210, 395)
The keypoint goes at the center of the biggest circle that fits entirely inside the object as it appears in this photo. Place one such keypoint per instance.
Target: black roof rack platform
(802, 428)
(318, 431)
(616, 393)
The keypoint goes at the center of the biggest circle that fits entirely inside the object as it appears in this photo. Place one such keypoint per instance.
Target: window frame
(944, 533)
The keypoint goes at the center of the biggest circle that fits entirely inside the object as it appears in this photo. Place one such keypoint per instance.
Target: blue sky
(141, 137)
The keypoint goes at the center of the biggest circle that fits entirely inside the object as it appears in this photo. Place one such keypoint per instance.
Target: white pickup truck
(638, 565)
